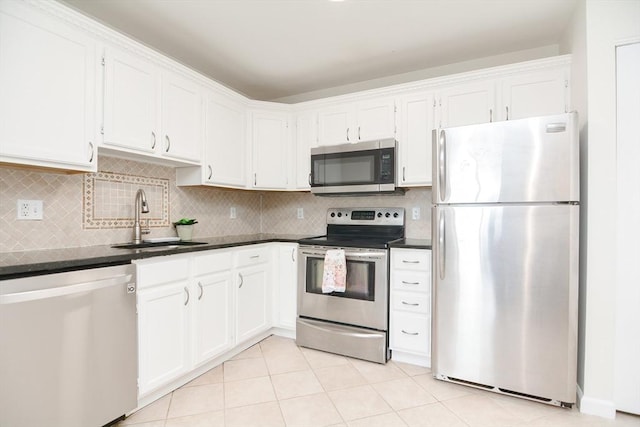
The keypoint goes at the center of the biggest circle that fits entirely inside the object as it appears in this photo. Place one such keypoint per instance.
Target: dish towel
(334, 277)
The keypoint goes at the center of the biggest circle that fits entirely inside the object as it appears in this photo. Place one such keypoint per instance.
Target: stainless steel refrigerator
(505, 256)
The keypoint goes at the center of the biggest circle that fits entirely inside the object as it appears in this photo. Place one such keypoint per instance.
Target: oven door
(365, 301)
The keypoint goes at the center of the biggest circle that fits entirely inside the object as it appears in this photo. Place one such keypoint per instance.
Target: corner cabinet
(270, 150)
(410, 306)
(47, 87)
(285, 287)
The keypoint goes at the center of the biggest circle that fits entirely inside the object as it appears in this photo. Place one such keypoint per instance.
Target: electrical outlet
(300, 213)
(233, 213)
(415, 213)
(29, 209)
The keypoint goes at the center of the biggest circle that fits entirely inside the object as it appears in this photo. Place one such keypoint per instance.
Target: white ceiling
(269, 49)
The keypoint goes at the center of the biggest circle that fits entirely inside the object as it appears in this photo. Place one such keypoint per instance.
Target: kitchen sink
(157, 245)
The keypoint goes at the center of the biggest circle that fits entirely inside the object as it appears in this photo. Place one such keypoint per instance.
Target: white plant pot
(185, 232)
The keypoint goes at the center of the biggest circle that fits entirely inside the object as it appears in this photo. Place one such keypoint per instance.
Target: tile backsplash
(97, 209)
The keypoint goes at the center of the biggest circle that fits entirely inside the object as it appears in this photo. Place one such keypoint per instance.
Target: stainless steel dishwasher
(68, 348)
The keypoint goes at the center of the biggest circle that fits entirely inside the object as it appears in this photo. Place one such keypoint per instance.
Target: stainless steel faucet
(141, 206)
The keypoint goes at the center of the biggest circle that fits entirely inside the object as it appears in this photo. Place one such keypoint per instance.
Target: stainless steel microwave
(363, 167)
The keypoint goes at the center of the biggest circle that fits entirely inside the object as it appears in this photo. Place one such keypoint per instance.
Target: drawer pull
(410, 283)
(413, 304)
(255, 256)
(410, 333)
(410, 262)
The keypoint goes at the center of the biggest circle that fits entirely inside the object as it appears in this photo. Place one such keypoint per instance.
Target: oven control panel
(365, 216)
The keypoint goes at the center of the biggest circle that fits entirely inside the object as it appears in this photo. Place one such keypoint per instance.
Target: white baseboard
(412, 359)
(592, 406)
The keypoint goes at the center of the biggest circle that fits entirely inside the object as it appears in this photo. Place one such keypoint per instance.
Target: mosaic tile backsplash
(97, 209)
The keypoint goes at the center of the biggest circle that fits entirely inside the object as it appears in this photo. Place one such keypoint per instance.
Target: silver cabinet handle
(441, 244)
(255, 179)
(241, 280)
(293, 255)
(442, 154)
(210, 171)
(358, 133)
(91, 152)
(410, 283)
(347, 134)
(490, 115)
(404, 173)
(410, 333)
(410, 262)
(168, 143)
(309, 179)
(187, 300)
(153, 139)
(201, 291)
(413, 304)
(507, 108)
(254, 256)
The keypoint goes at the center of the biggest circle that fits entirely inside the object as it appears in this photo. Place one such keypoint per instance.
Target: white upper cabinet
(131, 101)
(306, 138)
(354, 122)
(467, 104)
(414, 139)
(270, 149)
(47, 91)
(534, 94)
(181, 118)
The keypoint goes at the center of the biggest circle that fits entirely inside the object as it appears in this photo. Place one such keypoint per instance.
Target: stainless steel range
(354, 322)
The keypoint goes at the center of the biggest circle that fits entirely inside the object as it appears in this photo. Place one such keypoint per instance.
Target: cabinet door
(534, 94)
(286, 286)
(467, 104)
(225, 143)
(270, 150)
(47, 91)
(252, 310)
(336, 125)
(306, 138)
(131, 101)
(414, 145)
(181, 118)
(212, 301)
(163, 334)
(376, 120)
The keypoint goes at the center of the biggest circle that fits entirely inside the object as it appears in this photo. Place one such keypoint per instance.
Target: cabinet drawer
(164, 270)
(411, 281)
(411, 301)
(411, 259)
(212, 262)
(410, 332)
(252, 256)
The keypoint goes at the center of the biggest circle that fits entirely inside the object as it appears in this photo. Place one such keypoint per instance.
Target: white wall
(607, 23)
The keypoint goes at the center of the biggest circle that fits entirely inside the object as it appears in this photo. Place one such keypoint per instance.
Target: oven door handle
(350, 254)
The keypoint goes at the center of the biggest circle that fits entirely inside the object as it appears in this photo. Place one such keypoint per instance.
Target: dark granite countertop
(412, 244)
(33, 263)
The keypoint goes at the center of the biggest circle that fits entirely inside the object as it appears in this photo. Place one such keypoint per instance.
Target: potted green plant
(184, 228)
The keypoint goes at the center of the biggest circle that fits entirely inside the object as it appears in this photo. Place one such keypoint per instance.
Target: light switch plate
(232, 213)
(300, 213)
(415, 213)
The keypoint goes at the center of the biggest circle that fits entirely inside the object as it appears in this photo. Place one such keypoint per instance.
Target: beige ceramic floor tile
(481, 411)
(248, 392)
(152, 412)
(243, 369)
(196, 400)
(250, 353)
(209, 419)
(277, 344)
(573, 418)
(213, 376)
(263, 415)
(322, 359)
(386, 420)
(310, 411)
(375, 372)
(295, 384)
(412, 370)
(525, 409)
(442, 390)
(358, 402)
(339, 377)
(285, 360)
(403, 393)
(159, 423)
(432, 415)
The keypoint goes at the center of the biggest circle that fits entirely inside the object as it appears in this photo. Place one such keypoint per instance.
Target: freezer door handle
(442, 158)
(441, 244)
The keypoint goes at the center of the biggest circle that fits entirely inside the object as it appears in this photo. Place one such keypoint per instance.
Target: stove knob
(339, 214)
(395, 215)
(387, 214)
(333, 214)
(379, 214)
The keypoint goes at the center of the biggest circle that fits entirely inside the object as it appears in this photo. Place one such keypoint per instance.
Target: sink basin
(157, 245)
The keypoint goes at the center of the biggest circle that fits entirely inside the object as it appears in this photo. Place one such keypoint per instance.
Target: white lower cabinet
(253, 301)
(285, 286)
(410, 306)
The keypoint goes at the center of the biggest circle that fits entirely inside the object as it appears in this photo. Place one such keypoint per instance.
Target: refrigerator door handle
(442, 159)
(441, 247)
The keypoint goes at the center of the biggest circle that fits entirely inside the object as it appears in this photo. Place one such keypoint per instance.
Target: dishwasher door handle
(39, 294)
